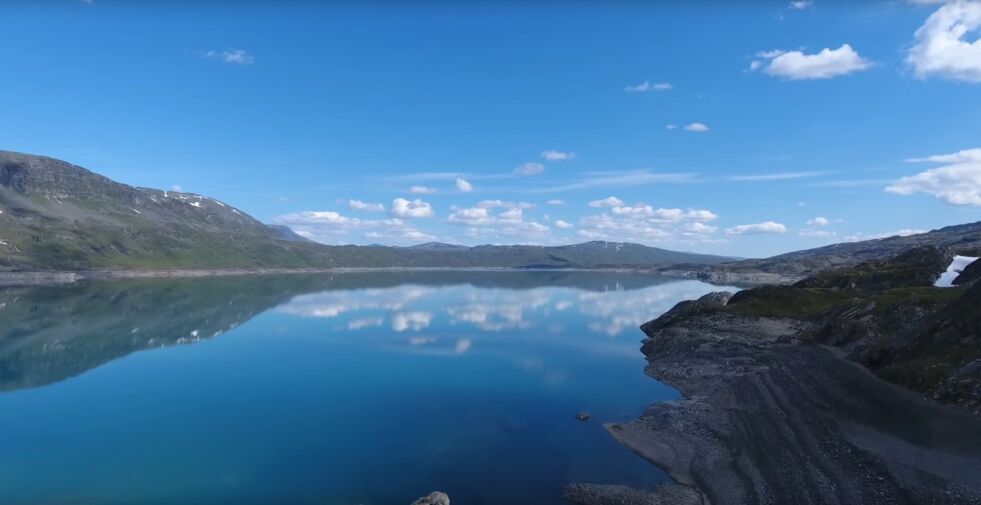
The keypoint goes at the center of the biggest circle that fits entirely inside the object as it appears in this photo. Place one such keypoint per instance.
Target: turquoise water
(359, 388)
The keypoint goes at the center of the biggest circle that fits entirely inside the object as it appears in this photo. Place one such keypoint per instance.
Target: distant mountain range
(58, 216)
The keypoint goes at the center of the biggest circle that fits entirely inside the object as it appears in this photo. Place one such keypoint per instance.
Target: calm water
(360, 388)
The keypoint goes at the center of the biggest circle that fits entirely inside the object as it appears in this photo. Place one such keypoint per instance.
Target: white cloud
(697, 128)
(964, 156)
(800, 5)
(563, 224)
(644, 223)
(941, 47)
(638, 88)
(795, 65)
(234, 56)
(956, 184)
(410, 209)
(815, 233)
(670, 126)
(463, 186)
(818, 221)
(616, 179)
(553, 155)
(421, 190)
(757, 228)
(556, 201)
(492, 204)
(610, 201)
(647, 86)
(664, 215)
(510, 222)
(330, 226)
(699, 228)
(365, 206)
(779, 176)
(529, 169)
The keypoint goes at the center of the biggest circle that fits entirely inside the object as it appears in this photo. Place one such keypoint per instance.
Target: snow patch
(955, 268)
(195, 204)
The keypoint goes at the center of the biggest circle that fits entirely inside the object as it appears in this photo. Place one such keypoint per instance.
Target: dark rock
(583, 416)
(921, 266)
(970, 274)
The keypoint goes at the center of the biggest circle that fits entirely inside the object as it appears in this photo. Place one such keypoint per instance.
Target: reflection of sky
(451, 319)
(325, 398)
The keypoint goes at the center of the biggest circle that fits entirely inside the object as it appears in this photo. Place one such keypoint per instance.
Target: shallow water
(356, 388)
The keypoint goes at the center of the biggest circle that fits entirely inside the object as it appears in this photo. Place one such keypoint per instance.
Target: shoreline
(70, 276)
(54, 277)
(767, 418)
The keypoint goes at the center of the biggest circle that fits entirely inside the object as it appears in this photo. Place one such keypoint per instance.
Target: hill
(58, 216)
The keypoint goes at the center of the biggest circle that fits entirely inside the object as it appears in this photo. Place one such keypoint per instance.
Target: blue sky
(763, 127)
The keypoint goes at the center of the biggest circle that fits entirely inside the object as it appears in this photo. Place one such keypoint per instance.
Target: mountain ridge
(57, 216)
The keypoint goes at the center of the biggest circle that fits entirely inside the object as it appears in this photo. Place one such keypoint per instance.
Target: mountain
(963, 239)
(438, 246)
(58, 216)
(287, 233)
(54, 215)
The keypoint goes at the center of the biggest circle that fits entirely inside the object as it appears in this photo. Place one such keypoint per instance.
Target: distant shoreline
(42, 277)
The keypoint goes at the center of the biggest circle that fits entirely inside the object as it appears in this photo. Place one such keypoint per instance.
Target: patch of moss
(786, 301)
(886, 300)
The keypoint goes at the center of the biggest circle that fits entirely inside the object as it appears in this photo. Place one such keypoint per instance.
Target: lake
(352, 388)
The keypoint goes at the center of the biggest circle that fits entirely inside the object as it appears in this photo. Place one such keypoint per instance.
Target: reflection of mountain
(508, 279)
(51, 333)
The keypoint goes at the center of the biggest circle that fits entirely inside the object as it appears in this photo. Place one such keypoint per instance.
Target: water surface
(356, 388)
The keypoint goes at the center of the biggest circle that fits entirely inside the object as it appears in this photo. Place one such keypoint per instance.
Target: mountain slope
(58, 216)
(961, 239)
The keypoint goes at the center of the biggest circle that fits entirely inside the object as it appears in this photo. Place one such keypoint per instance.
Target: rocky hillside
(888, 316)
(962, 239)
(58, 216)
(768, 416)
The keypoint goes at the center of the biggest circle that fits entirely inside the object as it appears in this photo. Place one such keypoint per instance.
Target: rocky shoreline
(771, 415)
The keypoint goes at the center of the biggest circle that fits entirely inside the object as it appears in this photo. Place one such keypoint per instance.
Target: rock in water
(583, 416)
(434, 498)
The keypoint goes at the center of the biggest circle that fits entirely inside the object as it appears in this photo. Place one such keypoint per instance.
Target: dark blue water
(345, 389)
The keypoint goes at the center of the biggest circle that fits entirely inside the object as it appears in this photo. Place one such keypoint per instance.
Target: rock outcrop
(776, 410)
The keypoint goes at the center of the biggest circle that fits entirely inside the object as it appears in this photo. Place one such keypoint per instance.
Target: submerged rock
(434, 498)
(583, 416)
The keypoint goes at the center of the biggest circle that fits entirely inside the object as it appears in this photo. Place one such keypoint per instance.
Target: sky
(738, 128)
